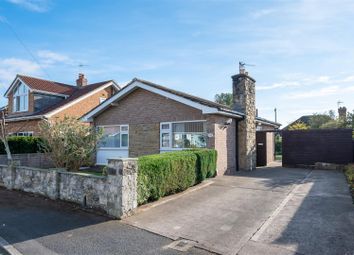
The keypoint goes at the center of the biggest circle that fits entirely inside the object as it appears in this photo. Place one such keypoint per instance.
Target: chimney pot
(81, 81)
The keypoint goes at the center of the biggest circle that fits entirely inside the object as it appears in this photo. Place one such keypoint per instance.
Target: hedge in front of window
(22, 144)
(206, 163)
(168, 173)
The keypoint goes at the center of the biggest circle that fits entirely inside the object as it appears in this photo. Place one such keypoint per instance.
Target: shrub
(69, 143)
(206, 164)
(349, 172)
(168, 173)
(22, 144)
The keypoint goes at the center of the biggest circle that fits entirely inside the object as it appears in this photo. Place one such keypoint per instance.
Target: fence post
(123, 174)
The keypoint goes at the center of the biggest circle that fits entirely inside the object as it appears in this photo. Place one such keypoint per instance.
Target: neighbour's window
(25, 133)
(20, 98)
(180, 135)
(115, 137)
(102, 99)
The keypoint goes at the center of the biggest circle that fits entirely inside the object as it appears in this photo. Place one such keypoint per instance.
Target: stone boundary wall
(116, 193)
(38, 160)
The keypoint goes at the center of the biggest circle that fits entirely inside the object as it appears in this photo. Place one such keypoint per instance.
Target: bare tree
(4, 137)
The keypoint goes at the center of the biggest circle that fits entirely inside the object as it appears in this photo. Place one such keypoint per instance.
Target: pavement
(32, 225)
(271, 210)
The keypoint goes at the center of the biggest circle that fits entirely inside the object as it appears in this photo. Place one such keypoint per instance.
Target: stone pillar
(123, 173)
(244, 100)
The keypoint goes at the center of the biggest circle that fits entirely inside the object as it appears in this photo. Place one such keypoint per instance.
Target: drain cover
(181, 245)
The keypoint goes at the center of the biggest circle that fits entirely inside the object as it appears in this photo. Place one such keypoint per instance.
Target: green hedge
(168, 173)
(22, 144)
(349, 172)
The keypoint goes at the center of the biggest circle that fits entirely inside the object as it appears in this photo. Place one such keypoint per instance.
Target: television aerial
(242, 66)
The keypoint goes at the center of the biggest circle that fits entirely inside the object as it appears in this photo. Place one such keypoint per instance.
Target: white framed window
(20, 98)
(182, 135)
(102, 99)
(114, 136)
(24, 133)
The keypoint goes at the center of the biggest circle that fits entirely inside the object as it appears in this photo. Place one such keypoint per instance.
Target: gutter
(25, 118)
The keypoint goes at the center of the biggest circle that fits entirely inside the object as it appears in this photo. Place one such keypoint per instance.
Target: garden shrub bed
(164, 174)
(22, 144)
(349, 172)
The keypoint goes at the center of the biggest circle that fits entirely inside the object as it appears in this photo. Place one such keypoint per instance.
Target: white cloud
(33, 5)
(326, 91)
(9, 67)
(302, 81)
(282, 84)
(261, 13)
(50, 57)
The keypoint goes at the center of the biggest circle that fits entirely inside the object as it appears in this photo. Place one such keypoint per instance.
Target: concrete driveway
(267, 211)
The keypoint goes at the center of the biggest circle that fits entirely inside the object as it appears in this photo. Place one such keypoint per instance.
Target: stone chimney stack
(244, 100)
(81, 81)
(342, 113)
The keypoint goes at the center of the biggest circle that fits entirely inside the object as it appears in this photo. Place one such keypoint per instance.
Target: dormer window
(20, 98)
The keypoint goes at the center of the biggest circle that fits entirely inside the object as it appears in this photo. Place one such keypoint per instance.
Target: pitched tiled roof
(188, 96)
(48, 86)
(75, 95)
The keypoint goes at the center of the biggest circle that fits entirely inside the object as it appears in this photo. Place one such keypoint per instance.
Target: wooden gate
(261, 141)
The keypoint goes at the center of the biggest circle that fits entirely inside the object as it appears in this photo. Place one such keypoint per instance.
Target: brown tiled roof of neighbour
(75, 95)
(47, 86)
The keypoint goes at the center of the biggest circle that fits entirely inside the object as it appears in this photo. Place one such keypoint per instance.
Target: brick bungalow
(30, 100)
(146, 118)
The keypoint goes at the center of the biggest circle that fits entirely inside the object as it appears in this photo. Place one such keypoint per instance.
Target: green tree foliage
(317, 120)
(278, 144)
(69, 143)
(299, 125)
(22, 144)
(224, 98)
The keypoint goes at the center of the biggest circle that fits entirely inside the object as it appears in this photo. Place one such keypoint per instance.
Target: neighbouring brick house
(30, 100)
(146, 118)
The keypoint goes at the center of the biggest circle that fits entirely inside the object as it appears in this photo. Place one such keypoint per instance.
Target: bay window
(183, 135)
(20, 98)
(114, 137)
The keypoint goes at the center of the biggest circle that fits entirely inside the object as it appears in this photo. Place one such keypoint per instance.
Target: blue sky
(302, 50)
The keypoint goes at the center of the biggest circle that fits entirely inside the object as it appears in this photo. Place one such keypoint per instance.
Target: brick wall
(144, 107)
(320, 145)
(270, 136)
(224, 141)
(144, 110)
(76, 110)
(84, 106)
(25, 125)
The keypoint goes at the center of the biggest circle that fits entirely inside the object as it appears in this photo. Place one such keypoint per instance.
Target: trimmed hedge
(349, 172)
(22, 144)
(168, 173)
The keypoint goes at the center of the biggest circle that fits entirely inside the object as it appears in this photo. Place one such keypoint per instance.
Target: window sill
(113, 148)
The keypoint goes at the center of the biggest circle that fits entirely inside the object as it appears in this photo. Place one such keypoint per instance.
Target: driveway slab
(267, 211)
